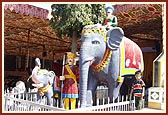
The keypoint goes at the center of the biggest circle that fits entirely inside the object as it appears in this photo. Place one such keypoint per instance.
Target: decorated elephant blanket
(131, 57)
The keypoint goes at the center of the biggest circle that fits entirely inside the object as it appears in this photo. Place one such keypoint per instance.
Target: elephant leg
(114, 65)
(111, 87)
(92, 85)
(113, 75)
(49, 95)
(39, 97)
(117, 89)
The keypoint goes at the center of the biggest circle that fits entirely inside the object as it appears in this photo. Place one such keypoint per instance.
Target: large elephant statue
(106, 57)
(46, 79)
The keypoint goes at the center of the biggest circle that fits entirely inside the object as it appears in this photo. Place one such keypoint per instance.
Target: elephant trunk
(85, 61)
(83, 84)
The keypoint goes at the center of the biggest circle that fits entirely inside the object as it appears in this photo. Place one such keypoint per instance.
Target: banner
(27, 9)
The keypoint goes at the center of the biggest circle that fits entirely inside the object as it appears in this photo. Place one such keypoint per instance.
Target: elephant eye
(95, 42)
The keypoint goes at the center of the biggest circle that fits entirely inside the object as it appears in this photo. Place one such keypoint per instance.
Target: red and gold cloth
(131, 57)
(70, 89)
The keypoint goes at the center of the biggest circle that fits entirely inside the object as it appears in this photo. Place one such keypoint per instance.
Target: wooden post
(61, 99)
(27, 56)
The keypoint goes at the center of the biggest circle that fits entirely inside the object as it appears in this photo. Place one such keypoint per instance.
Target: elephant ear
(116, 35)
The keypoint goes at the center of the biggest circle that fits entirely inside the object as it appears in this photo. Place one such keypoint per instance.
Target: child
(138, 88)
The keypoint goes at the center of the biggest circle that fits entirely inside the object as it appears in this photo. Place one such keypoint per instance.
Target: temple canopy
(27, 29)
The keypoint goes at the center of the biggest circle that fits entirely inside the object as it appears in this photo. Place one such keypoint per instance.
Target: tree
(69, 19)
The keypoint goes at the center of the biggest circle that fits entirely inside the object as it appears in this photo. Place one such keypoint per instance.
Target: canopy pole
(27, 57)
(27, 51)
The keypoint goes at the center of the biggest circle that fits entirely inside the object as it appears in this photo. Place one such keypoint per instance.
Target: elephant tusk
(91, 62)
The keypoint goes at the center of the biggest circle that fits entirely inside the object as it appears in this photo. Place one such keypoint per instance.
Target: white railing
(27, 102)
(16, 104)
(121, 104)
(31, 95)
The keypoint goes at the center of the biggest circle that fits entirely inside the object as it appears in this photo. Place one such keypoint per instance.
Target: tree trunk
(74, 42)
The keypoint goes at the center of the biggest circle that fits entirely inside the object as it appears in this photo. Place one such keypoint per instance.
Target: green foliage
(67, 18)
(98, 12)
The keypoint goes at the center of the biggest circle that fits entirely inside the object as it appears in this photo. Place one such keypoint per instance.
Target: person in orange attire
(71, 77)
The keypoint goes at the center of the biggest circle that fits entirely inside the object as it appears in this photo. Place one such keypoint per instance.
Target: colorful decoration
(71, 55)
(27, 10)
(131, 58)
(104, 61)
(95, 29)
(70, 87)
(128, 14)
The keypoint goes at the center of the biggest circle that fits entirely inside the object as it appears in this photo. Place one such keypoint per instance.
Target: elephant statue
(106, 57)
(46, 79)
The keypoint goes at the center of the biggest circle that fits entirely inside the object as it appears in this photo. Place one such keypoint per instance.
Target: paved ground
(149, 110)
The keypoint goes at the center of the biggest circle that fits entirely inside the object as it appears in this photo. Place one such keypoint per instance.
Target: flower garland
(95, 29)
(104, 61)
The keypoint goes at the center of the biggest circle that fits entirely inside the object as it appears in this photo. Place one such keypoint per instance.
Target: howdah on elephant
(106, 57)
